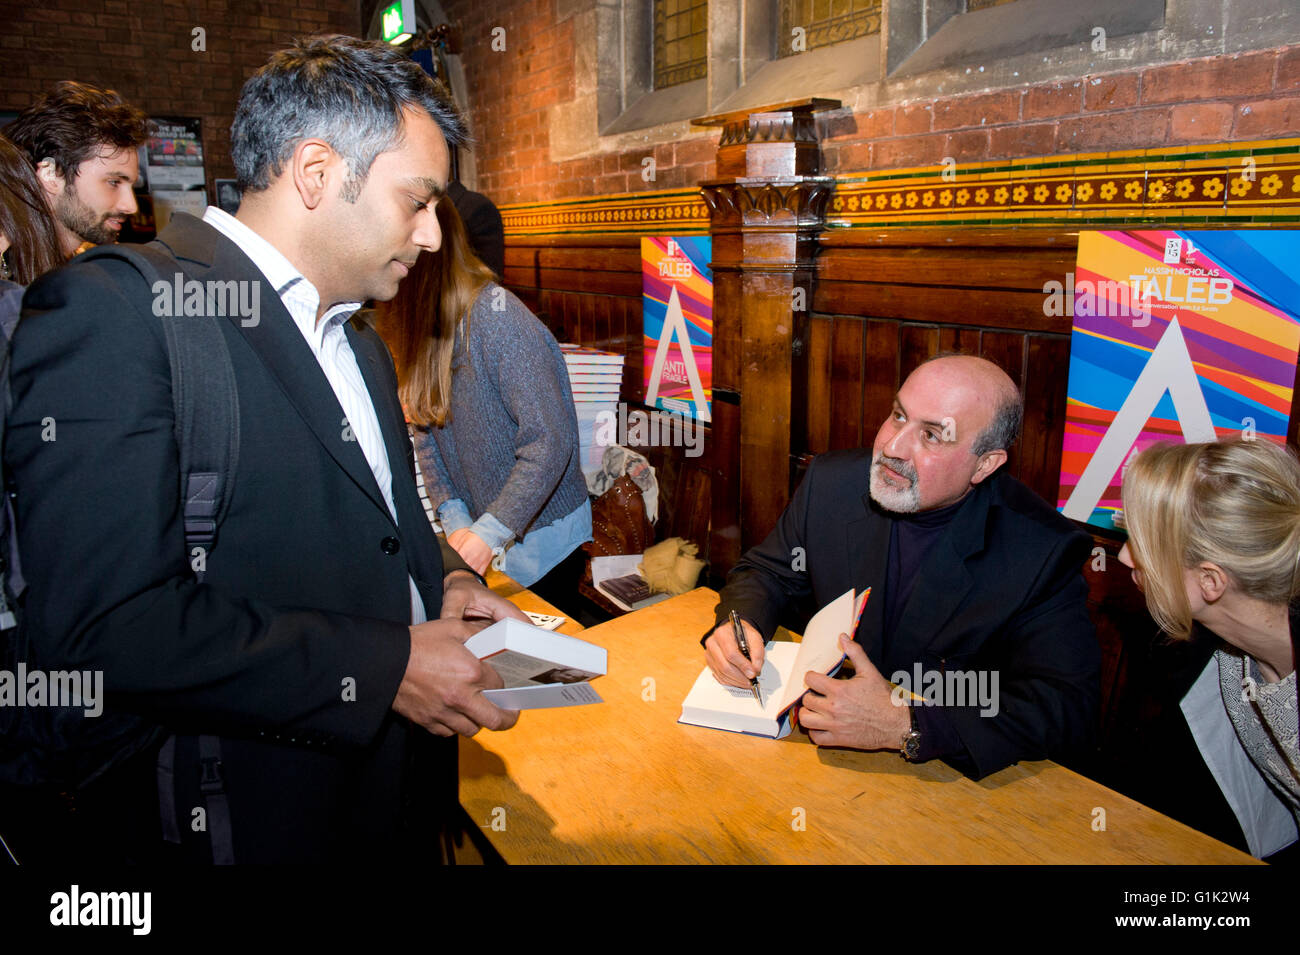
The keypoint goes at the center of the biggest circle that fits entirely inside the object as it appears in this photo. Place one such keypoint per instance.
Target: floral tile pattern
(1234, 182)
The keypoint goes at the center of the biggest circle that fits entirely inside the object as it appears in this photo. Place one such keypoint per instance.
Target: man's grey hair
(347, 92)
(1003, 430)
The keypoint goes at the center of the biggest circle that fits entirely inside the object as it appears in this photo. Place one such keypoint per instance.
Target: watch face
(912, 744)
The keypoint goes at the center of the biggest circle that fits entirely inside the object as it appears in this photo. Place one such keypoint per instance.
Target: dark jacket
(293, 646)
(1002, 589)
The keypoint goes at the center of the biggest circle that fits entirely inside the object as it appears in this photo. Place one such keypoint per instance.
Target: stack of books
(595, 378)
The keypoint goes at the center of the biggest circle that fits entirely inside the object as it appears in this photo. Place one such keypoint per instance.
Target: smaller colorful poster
(1177, 336)
(677, 297)
(175, 154)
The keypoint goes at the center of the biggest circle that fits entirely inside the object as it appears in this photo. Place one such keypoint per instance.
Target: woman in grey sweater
(487, 391)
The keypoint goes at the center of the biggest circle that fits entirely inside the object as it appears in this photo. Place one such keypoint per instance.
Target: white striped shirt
(329, 344)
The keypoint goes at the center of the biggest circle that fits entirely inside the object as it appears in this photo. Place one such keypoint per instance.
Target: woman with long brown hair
(1214, 542)
(487, 391)
(29, 244)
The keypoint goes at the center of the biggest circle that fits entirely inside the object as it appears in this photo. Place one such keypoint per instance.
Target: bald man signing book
(976, 646)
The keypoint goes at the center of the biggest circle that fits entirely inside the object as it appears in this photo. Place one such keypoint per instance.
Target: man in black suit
(976, 586)
(304, 647)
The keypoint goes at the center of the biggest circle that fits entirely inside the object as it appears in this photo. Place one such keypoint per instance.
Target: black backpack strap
(204, 397)
(207, 426)
(206, 405)
(212, 784)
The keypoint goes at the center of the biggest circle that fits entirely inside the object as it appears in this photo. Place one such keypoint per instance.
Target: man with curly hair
(83, 142)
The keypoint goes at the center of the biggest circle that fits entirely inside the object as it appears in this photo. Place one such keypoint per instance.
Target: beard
(80, 219)
(905, 500)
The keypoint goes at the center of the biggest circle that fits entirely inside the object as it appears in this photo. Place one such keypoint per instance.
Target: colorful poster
(677, 296)
(174, 154)
(1177, 336)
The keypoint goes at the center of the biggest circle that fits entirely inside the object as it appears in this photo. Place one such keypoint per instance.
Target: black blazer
(1002, 589)
(293, 646)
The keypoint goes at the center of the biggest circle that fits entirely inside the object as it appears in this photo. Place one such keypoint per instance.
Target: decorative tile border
(1239, 182)
(1236, 182)
(679, 211)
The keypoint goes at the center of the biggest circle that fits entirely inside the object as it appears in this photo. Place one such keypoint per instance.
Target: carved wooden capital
(797, 203)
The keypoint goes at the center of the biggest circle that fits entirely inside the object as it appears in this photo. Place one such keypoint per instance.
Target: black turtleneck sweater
(910, 538)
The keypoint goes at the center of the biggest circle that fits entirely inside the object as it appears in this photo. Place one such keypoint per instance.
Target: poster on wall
(1177, 336)
(677, 305)
(173, 168)
(174, 154)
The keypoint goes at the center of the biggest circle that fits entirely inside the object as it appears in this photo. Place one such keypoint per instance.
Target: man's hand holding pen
(724, 658)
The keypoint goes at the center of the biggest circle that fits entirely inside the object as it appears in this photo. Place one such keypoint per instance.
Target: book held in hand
(539, 668)
(781, 680)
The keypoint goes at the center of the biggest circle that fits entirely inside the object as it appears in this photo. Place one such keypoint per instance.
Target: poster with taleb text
(1177, 336)
(677, 305)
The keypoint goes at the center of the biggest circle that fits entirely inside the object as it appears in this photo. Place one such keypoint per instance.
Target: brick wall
(144, 51)
(1212, 100)
(514, 94)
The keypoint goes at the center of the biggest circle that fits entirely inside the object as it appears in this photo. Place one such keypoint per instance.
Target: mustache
(897, 466)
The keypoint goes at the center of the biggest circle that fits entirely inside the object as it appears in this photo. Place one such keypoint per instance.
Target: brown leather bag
(618, 522)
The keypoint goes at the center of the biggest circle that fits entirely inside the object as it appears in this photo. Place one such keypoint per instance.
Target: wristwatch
(911, 743)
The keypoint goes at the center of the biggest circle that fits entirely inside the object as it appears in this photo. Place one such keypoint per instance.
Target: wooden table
(624, 782)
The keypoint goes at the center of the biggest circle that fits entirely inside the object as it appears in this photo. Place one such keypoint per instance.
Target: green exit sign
(397, 22)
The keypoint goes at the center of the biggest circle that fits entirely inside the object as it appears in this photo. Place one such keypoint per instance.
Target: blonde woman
(486, 387)
(1214, 539)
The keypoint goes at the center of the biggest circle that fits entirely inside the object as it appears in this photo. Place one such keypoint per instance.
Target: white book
(593, 369)
(607, 390)
(539, 668)
(781, 681)
(603, 398)
(584, 378)
(591, 412)
(582, 355)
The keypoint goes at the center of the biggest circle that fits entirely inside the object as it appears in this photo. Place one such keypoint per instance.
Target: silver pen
(741, 642)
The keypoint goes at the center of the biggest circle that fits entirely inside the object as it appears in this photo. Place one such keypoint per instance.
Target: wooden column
(764, 220)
